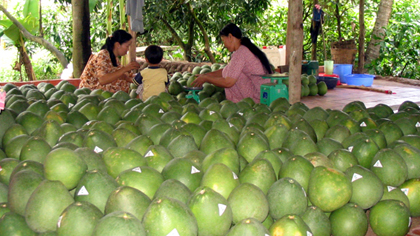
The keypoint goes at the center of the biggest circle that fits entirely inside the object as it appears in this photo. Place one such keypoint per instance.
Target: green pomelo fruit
(11, 132)
(99, 125)
(133, 114)
(140, 144)
(391, 131)
(30, 121)
(229, 129)
(170, 135)
(319, 159)
(3, 208)
(350, 219)
(167, 216)
(109, 115)
(119, 223)
(378, 137)
(7, 165)
(64, 165)
(395, 193)
(248, 227)
(4, 191)
(183, 170)
(67, 145)
(276, 135)
(170, 116)
(73, 137)
(293, 136)
(220, 178)
(364, 151)
(90, 110)
(28, 165)
(129, 126)
(143, 178)
(99, 141)
(7, 120)
(174, 189)
(322, 88)
(92, 159)
(181, 145)
(297, 168)
(342, 159)
(21, 186)
(127, 199)
(407, 125)
(157, 156)
(215, 140)
(13, 224)
(390, 217)
(227, 156)
(411, 156)
(250, 145)
(80, 218)
(253, 198)
(329, 189)
(277, 118)
(338, 133)
(59, 117)
(304, 125)
(50, 131)
(14, 147)
(146, 122)
(336, 117)
(290, 225)
(412, 189)
(366, 124)
(196, 131)
(367, 187)
(18, 106)
(123, 136)
(413, 140)
(46, 204)
(95, 187)
(77, 119)
(119, 159)
(390, 167)
(121, 96)
(382, 110)
(315, 113)
(259, 172)
(212, 211)
(327, 146)
(273, 157)
(286, 196)
(317, 221)
(320, 127)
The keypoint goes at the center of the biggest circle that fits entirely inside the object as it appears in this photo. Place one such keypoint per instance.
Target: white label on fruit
(83, 191)
(356, 177)
(417, 124)
(89, 122)
(59, 221)
(378, 164)
(97, 149)
(234, 175)
(212, 112)
(222, 209)
(390, 188)
(71, 105)
(350, 148)
(405, 191)
(174, 232)
(194, 170)
(409, 222)
(266, 235)
(137, 169)
(240, 113)
(161, 111)
(230, 125)
(363, 124)
(149, 154)
(308, 233)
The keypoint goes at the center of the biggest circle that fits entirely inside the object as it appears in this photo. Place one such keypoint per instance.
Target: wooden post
(295, 48)
(362, 32)
(132, 51)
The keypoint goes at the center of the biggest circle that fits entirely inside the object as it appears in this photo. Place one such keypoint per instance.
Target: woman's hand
(200, 80)
(132, 66)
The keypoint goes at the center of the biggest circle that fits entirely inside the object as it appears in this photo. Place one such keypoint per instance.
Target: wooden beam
(132, 51)
(295, 48)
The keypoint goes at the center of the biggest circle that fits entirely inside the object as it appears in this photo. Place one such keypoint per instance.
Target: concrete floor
(337, 98)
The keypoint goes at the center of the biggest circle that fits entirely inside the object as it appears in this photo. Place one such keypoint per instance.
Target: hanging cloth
(134, 8)
(317, 20)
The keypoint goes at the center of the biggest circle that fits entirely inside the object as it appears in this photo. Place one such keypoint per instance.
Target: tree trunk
(361, 63)
(81, 36)
(26, 62)
(185, 47)
(295, 14)
(314, 45)
(338, 16)
(378, 33)
(207, 49)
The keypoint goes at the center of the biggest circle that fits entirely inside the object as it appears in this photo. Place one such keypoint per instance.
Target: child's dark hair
(236, 32)
(154, 54)
(120, 36)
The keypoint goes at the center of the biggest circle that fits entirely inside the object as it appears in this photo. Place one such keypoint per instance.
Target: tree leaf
(31, 8)
(92, 5)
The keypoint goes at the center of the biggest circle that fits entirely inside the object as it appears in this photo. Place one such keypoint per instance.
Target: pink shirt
(243, 66)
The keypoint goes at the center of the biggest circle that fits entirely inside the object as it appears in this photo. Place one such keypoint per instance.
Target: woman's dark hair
(237, 33)
(120, 36)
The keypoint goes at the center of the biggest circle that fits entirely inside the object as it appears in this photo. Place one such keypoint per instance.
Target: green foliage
(399, 55)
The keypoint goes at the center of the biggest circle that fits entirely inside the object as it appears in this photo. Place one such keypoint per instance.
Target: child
(153, 79)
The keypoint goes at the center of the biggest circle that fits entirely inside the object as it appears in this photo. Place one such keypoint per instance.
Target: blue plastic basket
(359, 79)
(342, 70)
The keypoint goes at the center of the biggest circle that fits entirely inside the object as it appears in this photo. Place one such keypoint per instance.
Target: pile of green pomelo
(80, 162)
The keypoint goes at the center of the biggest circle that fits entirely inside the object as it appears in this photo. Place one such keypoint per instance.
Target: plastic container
(359, 79)
(310, 67)
(342, 70)
(328, 67)
(330, 81)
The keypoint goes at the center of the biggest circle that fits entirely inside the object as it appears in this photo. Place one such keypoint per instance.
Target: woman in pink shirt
(240, 77)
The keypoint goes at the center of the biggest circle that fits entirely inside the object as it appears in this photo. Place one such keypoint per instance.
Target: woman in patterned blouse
(104, 70)
(240, 77)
